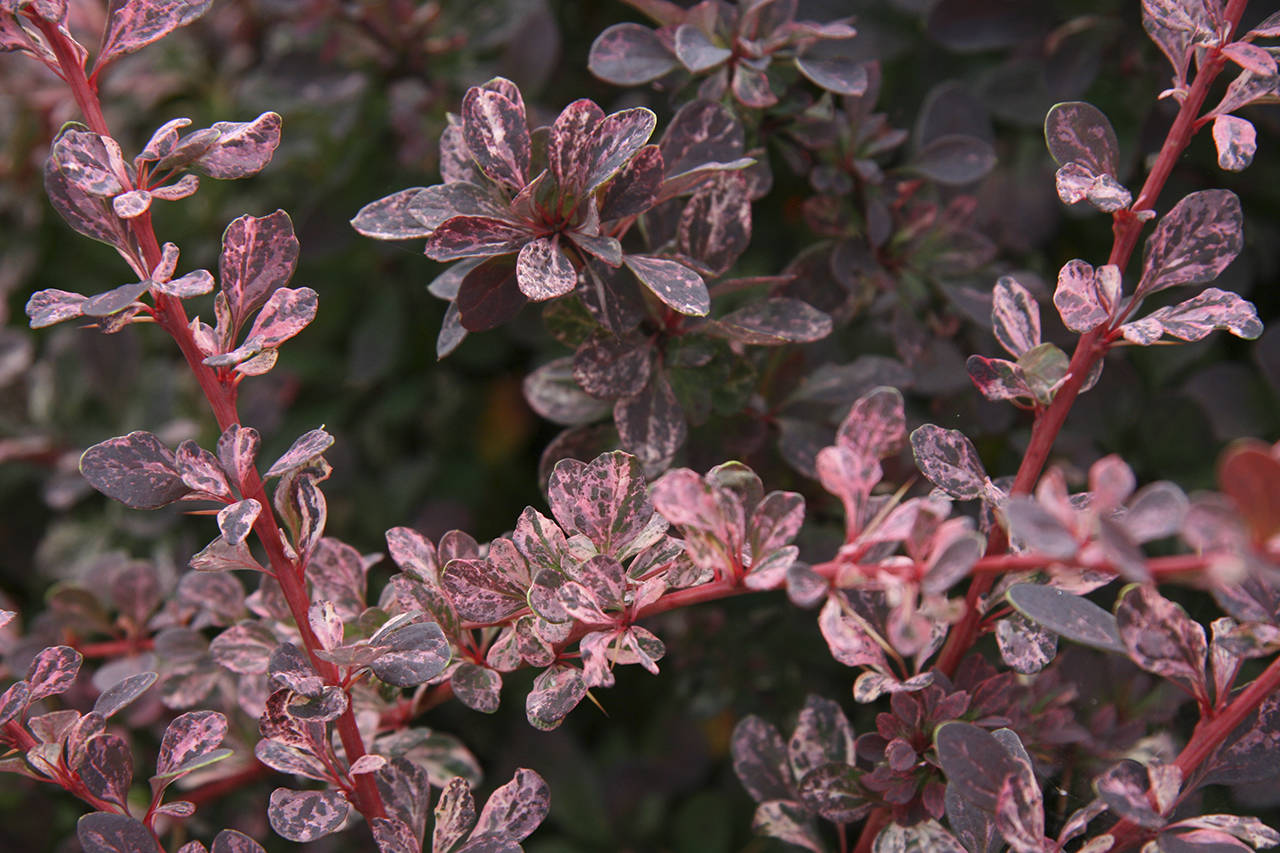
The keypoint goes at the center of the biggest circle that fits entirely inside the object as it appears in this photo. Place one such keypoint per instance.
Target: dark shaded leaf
(1077, 132)
(751, 87)
(103, 832)
(1124, 788)
(844, 75)
(231, 841)
(715, 225)
(135, 469)
(760, 760)
(474, 236)
(975, 762)
(189, 736)
(997, 378)
(390, 218)
(822, 736)
(701, 132)
(776, 321)
(552, 391)
(651, 424)
(107, 768)
(489, 295)
(696, 52)
(1067, 615)
(258, 256)
(415, 653)
(954, 159)
(305, 448)
(629, 54)
(124, 691)
(91, 216)
(676, 285)
(609, 367)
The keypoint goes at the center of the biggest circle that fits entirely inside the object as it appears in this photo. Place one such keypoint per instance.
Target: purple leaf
(416, 653)
(1213, 309)
(997, 378)
(123, 692)
(634, 189)
(304, 449)
(751, 87)
(651, 424)
(90, 215)
(552, 392)
(543, 271)
(822, 736)
(715, 225)
(843, 75)
(679, 287)
(455, 814)
(134, 24)
(1077, 132)
(1193, 242)
(104, 832)
(477, 687)
(613, 297)
(975, 762)
(306, 815)
(949, 460)
(556, 691)
(629, 54)
(605, 501)
(834, 793)
(954, 159)
(47, 307)
(1015, 316)
(615, 140)
(243, 148)
(1124, 787)
(115, 300)
(107, 768)
(258, 256)
(497, 136)
(609, 367)
(390, 218)
(696, 52)
(1025, 648)
(52, 671)
(231, 841)
(135, 469)
(515, 809)
(190, 736)
(701, 132)
(489, 295)
(1067, 615)
(1037, 529)
(775, 321)
(567, 148)
(760, 760)
(1236, 141)
(1160, 637)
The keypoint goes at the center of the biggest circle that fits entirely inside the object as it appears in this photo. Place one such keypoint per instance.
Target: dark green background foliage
(453, 444)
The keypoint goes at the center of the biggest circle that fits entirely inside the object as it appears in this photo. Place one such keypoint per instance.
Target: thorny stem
(1093, 345)
(220, 392)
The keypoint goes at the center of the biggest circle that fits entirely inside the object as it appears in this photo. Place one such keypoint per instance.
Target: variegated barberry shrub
(928, 474)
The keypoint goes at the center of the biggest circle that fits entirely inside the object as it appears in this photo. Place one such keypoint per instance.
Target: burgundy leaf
(629, 54)
(1015, 316)
(52, 671)
(954, 159)
(608, 367)
(258, 256)
(123, 692)
(497, 136)
(843, 75)
(134, 24)
(696, 52)
(556, 691)
(515, 809)
(135, 469)
(490, 295)
(760, 760)
(715, 226)
(615, 140)
(1067, 615)
(676, 285)
(243, 148)
(304, 449)
(543, 271)
(1161, 638)
(416, 653)
(1077, 132)
(635, 188)
(775, 321)
(47, 307)
(104, 832)
(567, 149)
(949, 460)
(1193, 242)
(306, 815)
(1213, 309)
(1236, 141)
(390, 218)
(975, 762)
(652, 424)
(188, 737)
(107, 768)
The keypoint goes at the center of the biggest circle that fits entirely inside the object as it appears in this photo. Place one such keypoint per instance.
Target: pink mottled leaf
(489, 295)
(629, 54)
(1174, 25)
(1160, 637)
(515, 809)
(553, 393)
(47, 307)
(606, 500)
(1144, 332)
(258, 256)
(89, 162)
(949, 460)
(556, 691)
(760, 760)
(822, 736)
(543, 271)
(474, 236)
(122, 693)
(231, 841)
(90, 215)
(1125, 787)
(477, 687)
(715, 225)
(701, 132)
(568, 157)
(106, 832)
(833, 791)
(1080, 300)
(497, 136)
(997, 378)
(788, 821)
(1193, 242)
(306, 447)
(614, 141)
(188, 737)
(676, 285)
(244, 648)
(52, 671)
(243, 148)
(696, 52)
(134, 24)
(850, 639)
(135, 469)
(107, 768)
(751, 87)
(435, 205)
(306, 815)
(1015, 316)
(775, 321)
(390, 218)
(1252, 58)
(1025, 647)
(194, 283)
(414, 654)
(286, 313)
(201, 470)
(609, 367)
(132, 204)
(487, 589)
(237, 451)
(1077, 132)
(1213, 309)
(455, 814)
(1236, 141)
(652, 424)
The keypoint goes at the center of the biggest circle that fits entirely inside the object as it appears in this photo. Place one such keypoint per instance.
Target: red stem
(221, 395)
